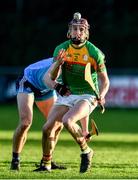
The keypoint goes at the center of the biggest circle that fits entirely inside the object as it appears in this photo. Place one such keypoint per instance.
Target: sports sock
(84, 146)
(86, 151)
(15, 156)
(47, 160)
(47, 164)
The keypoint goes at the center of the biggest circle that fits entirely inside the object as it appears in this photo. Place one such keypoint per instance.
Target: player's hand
(101, 100)
(62, 89)
(88, 137)
(62, 56)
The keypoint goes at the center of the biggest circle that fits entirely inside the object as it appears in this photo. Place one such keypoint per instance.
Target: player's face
(78, 33)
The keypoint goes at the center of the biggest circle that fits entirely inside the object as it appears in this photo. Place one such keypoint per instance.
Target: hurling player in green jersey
(68, 110)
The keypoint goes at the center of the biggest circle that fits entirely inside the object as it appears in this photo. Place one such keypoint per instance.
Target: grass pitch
(116, 148)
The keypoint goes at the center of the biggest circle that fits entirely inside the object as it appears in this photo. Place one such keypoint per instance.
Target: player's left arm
(104, 83)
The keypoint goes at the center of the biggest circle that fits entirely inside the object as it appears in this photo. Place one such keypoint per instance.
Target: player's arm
(104, 84)
(54, 72)
(57, 66)
(51, 82)
(61, 89)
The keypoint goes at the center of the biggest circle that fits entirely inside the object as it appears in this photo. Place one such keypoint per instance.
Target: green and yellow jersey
(74, 67)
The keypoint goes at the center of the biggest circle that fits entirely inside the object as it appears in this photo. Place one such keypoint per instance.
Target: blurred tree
(31, 29)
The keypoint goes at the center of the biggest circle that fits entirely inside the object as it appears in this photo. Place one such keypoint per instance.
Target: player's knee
(60, 128)
(25, 125)
(67, 121)
(45, 128)
(46, 131)
(26, 120)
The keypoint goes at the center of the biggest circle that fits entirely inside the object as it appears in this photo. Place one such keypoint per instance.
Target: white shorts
(71, 100)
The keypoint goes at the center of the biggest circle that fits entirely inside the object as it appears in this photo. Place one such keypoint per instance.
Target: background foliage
(31, 29)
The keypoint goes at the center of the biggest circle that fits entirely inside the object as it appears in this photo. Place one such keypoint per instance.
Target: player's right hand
(62, 56)
(62, 89)
(101, 100)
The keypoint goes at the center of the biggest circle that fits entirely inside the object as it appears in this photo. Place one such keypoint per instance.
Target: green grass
(116, 147)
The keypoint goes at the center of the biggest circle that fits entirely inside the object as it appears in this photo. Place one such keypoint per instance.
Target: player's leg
(84, 125)
(79, 111)
(51, 131)
(25, 109)
(45, 105)
(85, 130)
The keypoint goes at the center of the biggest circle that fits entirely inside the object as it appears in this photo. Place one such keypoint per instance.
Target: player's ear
(68, 35)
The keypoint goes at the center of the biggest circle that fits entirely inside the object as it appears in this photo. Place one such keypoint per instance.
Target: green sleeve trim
(96, 53)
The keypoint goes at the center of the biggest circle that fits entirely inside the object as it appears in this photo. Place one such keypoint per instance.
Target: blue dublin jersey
(35, 72)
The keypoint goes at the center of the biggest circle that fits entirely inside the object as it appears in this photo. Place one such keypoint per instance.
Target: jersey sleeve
(101, 62)
(99, 57)
(64, 45)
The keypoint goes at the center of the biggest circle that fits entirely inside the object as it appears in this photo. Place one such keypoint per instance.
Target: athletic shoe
(56, 166)
(15, 165)
(53, 166)
(86, 160)
(42, 167)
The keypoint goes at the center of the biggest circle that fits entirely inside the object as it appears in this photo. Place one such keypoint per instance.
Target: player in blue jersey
(31, 87)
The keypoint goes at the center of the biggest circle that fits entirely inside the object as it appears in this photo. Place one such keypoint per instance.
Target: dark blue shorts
(23, 86)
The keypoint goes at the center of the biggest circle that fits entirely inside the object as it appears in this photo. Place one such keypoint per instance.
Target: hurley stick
(88, 78)
(94, 130)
